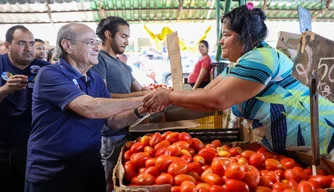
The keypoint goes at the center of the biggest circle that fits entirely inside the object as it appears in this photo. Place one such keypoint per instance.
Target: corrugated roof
(142, 11)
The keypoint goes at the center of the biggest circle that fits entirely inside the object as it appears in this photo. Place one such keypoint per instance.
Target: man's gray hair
(68, 32)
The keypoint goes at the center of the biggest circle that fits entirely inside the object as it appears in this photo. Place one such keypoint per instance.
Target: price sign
(315, 58)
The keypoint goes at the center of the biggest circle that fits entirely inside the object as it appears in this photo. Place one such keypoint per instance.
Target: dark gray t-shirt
(115, 72)
(119, 79)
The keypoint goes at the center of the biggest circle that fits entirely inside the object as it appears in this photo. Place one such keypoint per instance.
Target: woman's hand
(157, 100)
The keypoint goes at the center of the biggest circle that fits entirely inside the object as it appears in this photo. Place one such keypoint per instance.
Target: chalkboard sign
(315, 58)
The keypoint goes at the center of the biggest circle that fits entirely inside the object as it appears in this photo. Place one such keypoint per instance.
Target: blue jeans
(110, 149)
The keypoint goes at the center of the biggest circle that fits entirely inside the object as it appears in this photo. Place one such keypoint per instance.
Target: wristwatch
(135, 111)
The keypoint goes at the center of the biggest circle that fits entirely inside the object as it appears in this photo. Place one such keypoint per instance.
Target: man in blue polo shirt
(70, 106)
(18, 69)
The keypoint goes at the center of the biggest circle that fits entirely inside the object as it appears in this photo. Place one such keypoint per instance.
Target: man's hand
(157, 100)
(16, 82)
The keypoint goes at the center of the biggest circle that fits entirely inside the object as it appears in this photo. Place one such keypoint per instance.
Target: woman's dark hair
(205, 43)
(249, 24)
(111, 24)
(50, 53)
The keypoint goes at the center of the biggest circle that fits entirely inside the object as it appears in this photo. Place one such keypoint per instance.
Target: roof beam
(179, 10)
(322, 11)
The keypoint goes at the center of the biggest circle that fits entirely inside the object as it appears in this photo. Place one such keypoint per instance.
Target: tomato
(155, 139)
(252, 176)
(127, 155)
(175, 189)
(174, 150)
(305, 186)
(197, 144)
(206, 171)
(235, 171)
(128, 144)
(235, 151)
(145, 179)
(272, 164)
(293, 184)
(243, 160)
(279, 173)
(292, 174)
(213, 179)
(162, 151)
(308, 171)
(202, 185)
(236, 186)
(185, 152)
(187, 158)
(281, 186)
(196, 167)
(129, 171)
(195, 175)
(216, 143)
(301, 173)
(202, 189)
(163, 161)
(164, 178)
(209, 145)
(287, 163)
(217, 188)
(135, 181)
(137, 147)
(145, 140)
(161, 144)
(324, 181)
(149, 150)
(182, 144)
(173, 137)
(178, 167)
(257, 160)
(185, 137)
(154, 171)
(272, 176)
(208, 154)
(199, 159)
(289, 190)
(247, 153)
(265, 182)
(222, 152)
(188, 186)
(150, 162)
(262, 189)
(191, 151)
(178, 179)
(164, 135)
(218, 167)
(139, 159)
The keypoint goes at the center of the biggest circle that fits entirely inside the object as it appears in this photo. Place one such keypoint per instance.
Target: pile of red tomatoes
(190, 166)
(153, 86)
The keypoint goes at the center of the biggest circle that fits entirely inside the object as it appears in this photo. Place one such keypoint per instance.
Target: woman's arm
(227, 92)
(200, 77)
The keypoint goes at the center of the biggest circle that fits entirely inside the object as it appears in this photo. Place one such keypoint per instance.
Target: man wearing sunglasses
(18, 70)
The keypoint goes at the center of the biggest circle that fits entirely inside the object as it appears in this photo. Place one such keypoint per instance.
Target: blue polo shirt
(15, 109)
(59, 136)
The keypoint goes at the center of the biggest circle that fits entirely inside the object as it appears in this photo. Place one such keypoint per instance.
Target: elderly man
(70, 106)
(18, 70)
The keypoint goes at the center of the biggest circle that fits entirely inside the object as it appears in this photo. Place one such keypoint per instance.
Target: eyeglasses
(89, 42)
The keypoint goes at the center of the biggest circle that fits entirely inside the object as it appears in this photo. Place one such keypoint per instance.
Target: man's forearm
(102, 108)
(121, 120)
(127, 95)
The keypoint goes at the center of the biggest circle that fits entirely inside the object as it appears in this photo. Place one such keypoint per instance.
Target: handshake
(157, 100)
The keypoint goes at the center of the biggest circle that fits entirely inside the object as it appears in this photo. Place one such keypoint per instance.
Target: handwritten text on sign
(315, 59)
